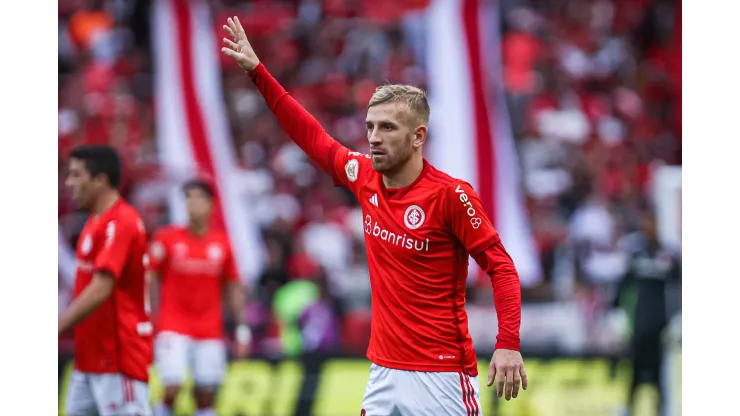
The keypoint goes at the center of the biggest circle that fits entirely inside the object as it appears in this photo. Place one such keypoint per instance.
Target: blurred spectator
(319, 321)
(644, 294)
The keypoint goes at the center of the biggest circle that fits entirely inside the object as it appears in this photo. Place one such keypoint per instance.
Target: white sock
(161, 409)
(206, 411)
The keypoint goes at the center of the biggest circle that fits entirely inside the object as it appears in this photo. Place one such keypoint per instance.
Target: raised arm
(300, 125)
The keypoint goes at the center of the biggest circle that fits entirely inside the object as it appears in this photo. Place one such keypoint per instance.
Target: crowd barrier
(333, 386)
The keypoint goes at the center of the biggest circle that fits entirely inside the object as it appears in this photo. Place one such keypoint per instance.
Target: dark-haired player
(112, 332)
(191, 267)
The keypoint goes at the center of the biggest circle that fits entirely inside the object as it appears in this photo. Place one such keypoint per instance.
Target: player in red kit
(112, 331)
(190, 268)
(421, 225)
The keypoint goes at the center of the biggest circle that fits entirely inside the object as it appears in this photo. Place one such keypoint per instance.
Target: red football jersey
(418, 239)
(192, 271)
(116, 337)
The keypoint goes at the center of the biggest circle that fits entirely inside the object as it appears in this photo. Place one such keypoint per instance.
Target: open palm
(238, 47)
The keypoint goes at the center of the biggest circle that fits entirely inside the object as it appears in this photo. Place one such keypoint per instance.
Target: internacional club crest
(215, 253)
(414, 217)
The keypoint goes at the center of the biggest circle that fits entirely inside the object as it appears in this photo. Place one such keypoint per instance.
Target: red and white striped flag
(470, 134)
(192, 127)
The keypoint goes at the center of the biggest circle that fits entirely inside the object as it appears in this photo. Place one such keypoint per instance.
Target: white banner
(470, 133)
(667, 199)
(192, 129)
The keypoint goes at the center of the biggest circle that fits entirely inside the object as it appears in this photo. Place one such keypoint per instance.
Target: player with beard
(420, 227)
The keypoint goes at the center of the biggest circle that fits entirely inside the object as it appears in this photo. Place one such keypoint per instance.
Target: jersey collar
(399, 193)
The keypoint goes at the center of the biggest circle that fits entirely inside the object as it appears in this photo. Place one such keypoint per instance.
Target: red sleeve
(475, 232)
(300, 125)
(351, 169)
(230, 272)
(467, 219)
(157, 254)
(119, 235)
(507, 295)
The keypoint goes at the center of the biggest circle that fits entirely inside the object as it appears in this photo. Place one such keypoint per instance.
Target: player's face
(83, 186)
(198, 203)
(394, 135)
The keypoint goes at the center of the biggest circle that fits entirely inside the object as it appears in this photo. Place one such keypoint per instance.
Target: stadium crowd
(593, 89)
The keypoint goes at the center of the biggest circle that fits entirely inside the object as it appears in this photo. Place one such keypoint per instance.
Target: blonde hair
(415, 98)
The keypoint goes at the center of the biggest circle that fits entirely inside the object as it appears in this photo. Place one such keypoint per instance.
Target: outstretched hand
(238, 47)
(509, 367)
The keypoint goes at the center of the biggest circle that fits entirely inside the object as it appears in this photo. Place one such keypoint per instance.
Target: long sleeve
(298, 123)
(507, 297)
(474, 230)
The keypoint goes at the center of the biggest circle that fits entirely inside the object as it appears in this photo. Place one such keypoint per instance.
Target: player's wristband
(243, 334)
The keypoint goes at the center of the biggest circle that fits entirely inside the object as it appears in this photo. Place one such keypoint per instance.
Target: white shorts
(392, 392)
(175, 354)
(109, 394)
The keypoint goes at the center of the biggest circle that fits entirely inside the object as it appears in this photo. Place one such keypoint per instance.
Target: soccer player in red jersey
(190, 267)
(112, 332)
(420, 227)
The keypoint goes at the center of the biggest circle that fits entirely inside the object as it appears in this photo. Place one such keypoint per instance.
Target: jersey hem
(123, 373)
(188, 334)
(423, 367)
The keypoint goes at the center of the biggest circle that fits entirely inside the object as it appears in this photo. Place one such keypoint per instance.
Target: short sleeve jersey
(116, 337)
(192, 269)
